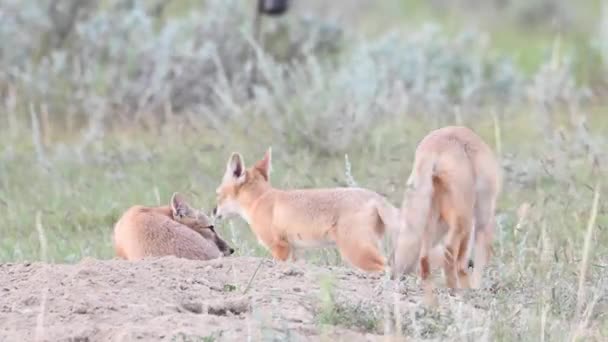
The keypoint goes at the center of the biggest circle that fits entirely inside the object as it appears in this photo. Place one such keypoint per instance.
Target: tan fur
(175, 229)
(454, 184)
(353, 219)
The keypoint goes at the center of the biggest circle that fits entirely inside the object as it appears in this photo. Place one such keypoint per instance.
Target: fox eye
(212, 228)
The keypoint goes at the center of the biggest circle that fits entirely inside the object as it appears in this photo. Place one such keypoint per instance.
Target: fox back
(177, 230)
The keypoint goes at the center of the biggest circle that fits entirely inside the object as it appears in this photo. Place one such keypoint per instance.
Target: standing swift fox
(284, 221)
(175, 229)
(454, 183)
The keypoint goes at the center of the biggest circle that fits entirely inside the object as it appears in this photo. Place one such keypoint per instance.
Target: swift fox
(284, 221)
(176, 229)
(451, 193)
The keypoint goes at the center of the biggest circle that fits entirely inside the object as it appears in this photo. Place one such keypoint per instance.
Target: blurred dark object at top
(273, 7)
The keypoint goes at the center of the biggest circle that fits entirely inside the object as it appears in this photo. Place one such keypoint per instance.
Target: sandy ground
(171, 299)
(168, 299)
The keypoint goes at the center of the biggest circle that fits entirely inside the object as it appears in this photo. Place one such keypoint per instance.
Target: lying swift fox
(454, 183)
(284, 221)
(175, 229)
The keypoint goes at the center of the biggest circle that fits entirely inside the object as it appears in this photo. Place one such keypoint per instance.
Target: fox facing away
(176, 229)
(451, 193)
(284, 221)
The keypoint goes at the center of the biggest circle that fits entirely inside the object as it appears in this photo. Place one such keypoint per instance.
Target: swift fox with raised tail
(353, 219)
(451, 193)
(176, 229)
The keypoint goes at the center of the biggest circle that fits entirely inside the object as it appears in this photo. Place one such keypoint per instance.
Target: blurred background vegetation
(105, 63)
(110, 103)
(106, 104)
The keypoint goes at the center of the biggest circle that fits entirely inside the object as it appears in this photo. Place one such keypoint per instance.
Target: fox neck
(249, 198)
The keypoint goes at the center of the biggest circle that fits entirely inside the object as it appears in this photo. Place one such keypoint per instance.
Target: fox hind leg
(461, 261)
(484, 231)
(363, 255)
(430, 298)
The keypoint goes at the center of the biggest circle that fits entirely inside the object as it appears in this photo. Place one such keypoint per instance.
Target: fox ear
(265, 164)
(179, 207)
(236, 166)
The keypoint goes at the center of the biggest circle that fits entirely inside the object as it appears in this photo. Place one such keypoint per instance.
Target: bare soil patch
(171, 299)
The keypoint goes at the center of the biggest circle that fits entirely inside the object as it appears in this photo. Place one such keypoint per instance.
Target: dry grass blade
(497, 134)
(587, 251)
(253, 276)
(44, 292)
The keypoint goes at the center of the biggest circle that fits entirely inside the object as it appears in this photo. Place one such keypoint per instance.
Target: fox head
(198, 221)
(241, 186)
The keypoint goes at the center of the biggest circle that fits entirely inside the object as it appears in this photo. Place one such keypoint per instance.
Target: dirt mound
(171, 299)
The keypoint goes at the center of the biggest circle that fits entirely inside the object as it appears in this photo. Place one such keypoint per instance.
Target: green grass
(343, 313)
(181, 337)
(79, 200)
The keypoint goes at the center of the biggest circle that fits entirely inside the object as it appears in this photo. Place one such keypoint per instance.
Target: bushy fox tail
(415, 212)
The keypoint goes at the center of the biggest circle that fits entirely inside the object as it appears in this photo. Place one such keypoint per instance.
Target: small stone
(30, 301)
(81, 309)
(193, 307)
(293, 272)
(229, 307)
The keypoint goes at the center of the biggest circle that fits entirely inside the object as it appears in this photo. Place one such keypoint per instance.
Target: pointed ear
(265, 165)
(179, 207)
(236, 166)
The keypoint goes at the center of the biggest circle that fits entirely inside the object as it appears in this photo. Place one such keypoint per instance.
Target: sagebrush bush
(123, 52)
(318, 84)
(440, 72)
